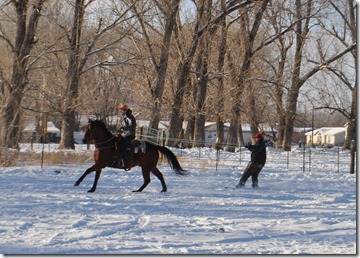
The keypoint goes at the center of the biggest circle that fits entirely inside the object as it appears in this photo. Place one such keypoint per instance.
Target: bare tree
(13, 87)
(78, 56)
(276, 76)
(169, 10)
(186, 59)
(220, 96)
(182, 74)
(87, 64)
(297, 81)
(346, 11)
(248, 36)
(202, 81)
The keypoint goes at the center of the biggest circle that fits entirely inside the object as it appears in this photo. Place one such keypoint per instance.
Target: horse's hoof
(91, 191)
(136, 191)
(77, 184)
(163, 191)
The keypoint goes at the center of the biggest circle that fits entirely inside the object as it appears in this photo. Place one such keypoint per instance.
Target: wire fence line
(303, 159)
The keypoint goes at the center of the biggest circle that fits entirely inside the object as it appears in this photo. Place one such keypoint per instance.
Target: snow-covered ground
(294, 211)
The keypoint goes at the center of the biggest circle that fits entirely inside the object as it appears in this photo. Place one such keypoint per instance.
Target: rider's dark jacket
(127, 125)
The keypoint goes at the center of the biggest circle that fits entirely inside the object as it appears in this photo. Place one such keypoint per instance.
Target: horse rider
(126, 132)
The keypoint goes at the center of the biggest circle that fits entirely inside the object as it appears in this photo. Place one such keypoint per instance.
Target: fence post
(287, 159)
(240, 154)
(338, 158)
(304, 159)
(352, 156)
(217, 157)
(310, 158)
(32, 142)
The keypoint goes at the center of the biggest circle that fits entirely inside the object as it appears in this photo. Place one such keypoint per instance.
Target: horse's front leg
(97, 176)
(88, 171)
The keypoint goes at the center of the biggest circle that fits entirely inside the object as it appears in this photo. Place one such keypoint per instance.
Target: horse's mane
(101, 124)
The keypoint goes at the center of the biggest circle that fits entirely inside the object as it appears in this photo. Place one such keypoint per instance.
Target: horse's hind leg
(146, 176)
(160, 176)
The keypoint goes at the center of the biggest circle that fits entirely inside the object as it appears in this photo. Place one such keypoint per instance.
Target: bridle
(91, 136)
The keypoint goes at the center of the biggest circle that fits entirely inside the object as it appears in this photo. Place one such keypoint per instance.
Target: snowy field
(296, 209)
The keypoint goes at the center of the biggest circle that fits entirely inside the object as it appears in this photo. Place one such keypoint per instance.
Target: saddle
(137, 146)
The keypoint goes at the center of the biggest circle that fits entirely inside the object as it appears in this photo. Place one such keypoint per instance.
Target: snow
(296, 209)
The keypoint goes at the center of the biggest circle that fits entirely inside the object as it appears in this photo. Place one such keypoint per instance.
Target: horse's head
(96, 130)
(90, 132)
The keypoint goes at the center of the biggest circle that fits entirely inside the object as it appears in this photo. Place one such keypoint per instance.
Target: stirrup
(114, 163)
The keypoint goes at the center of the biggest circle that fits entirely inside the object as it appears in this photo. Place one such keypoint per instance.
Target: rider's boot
(120, 160)
(115, 162)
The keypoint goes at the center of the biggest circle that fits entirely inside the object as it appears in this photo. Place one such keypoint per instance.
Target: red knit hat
(258, 135)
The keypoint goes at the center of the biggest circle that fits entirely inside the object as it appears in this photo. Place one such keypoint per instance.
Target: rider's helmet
(124, 107)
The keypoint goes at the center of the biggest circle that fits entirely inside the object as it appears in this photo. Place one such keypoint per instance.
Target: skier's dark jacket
(258, 152)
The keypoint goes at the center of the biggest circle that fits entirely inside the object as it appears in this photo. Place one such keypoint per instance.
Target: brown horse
(146, 156)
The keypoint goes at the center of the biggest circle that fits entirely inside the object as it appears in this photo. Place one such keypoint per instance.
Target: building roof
(51, 128)
(327, 131)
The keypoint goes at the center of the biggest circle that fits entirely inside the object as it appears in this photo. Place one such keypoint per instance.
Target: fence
(302, 159)
(209, 159)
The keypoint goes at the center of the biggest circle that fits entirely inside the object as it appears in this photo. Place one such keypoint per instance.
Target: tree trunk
(219, 105)
(235, 120)
(12, 94)
(290, 118)
(301, 33)
(182, 76)
(175, 118)
(189, 132)
(351, 126)
(279, 92)
(162, 66)
(199, 134)
(10, 127)
(232, 139)
(73, 74)
(244, 71)
(252, 111)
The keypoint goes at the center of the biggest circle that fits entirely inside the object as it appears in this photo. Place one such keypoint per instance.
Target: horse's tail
(173, 161)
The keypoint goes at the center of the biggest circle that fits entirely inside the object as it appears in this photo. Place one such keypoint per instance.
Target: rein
(104, 147)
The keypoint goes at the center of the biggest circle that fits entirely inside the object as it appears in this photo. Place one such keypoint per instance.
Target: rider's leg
(118, 154)
(122, 148)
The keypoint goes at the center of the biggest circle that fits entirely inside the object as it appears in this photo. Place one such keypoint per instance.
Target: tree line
(254, 61)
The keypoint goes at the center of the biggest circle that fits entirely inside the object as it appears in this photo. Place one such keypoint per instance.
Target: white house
(210, 132)
(53, 133)
(332, 136)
